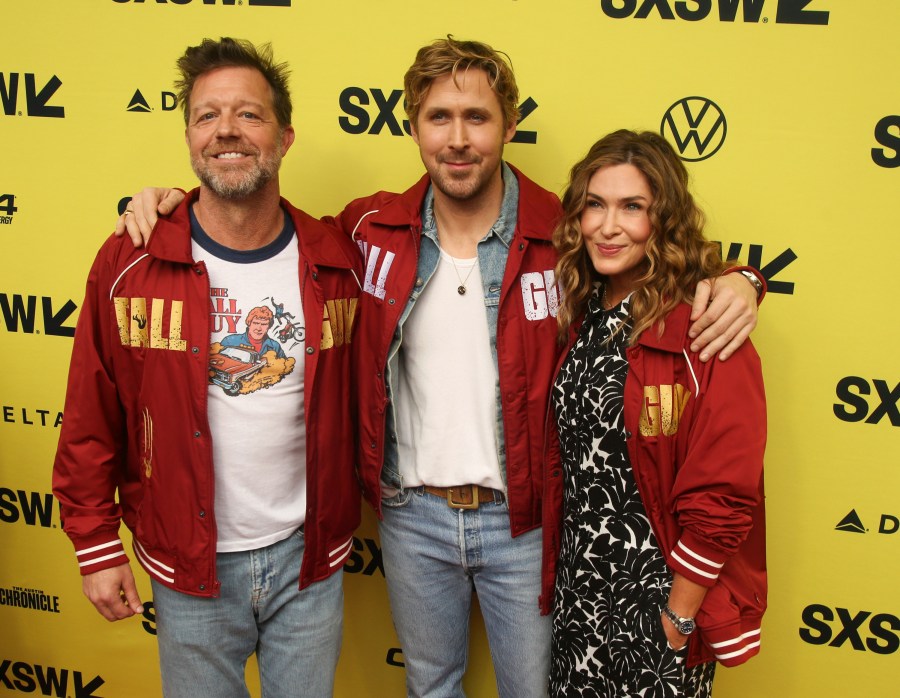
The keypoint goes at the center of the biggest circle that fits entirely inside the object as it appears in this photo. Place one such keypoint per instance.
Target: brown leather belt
(463, 496)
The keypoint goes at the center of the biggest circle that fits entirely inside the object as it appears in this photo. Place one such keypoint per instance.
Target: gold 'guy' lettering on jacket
(540, 294)
(337, 322)
(137, 330)
(662, 409)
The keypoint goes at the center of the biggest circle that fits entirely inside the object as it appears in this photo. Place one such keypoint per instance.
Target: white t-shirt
(255, 397)
(446, 405)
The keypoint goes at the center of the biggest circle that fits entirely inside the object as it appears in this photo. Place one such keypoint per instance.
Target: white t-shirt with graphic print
(255, 396)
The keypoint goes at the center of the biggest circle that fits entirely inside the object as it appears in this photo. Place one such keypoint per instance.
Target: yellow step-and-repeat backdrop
(788, 112)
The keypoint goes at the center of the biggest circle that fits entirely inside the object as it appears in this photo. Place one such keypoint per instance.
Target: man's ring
(128, 210)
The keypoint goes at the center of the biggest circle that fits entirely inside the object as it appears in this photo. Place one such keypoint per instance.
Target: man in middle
(459, 329)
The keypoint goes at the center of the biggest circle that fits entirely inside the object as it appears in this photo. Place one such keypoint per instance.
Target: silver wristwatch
(751, 277)
(683, 625)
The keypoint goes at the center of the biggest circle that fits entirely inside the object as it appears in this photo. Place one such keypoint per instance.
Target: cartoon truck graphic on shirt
(233, 366)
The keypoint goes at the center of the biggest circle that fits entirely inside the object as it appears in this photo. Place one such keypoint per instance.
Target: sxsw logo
(31, 508)
(865, 631)
(21, 312)
(149, 622)
(365, 558)
(7, 208)
(887, 133)
(395, 657)
(47, 680)
(696, 126)
(355, 102)
(852, 523)
(37, 95)
(786, 11)
(854, 406)
(139, 103)
(770, 269)
(251, 3)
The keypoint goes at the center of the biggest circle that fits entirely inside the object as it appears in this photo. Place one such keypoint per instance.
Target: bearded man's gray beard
(238, 184)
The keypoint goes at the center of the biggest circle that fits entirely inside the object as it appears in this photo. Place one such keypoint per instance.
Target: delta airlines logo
(851, 523)
(168, 101)
(696, 126)
(888, 524)
(31, 416)
(786, 11)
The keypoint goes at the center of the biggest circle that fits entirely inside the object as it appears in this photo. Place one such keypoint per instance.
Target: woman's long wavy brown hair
(678, 257)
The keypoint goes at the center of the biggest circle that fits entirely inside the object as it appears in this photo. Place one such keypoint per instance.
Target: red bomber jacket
(135, 444)
(388, 227)
(696, 435)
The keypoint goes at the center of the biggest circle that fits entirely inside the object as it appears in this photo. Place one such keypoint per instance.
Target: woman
(657, 521)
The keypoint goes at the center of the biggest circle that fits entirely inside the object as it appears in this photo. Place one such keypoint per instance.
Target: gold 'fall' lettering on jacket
(136, 329)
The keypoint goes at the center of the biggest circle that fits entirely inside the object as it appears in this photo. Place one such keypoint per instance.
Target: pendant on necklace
(461, 290)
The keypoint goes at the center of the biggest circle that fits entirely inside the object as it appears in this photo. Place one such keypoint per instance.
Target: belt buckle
(473, 497)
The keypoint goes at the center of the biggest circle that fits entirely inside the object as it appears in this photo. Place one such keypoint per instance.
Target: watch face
(686, 627)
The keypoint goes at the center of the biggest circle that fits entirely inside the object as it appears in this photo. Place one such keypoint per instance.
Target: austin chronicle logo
(696, 126)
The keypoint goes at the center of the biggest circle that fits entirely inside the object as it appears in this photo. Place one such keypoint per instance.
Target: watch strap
(685, 626)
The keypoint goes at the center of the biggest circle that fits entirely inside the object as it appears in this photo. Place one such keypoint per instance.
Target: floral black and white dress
(612, 580)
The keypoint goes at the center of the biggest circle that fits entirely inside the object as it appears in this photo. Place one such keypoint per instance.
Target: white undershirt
(446, 409)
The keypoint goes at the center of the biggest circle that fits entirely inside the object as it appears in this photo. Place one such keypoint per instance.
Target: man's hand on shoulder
(144, 210)
(113, 592)
(724, 314)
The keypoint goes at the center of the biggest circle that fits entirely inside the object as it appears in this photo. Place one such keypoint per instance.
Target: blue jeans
(204, 643)
(434, 556)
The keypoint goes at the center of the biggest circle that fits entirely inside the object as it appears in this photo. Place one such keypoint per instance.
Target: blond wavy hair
(450, 56)
(678, 257)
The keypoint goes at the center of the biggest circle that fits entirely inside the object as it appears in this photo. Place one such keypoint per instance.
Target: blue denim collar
(505, 225)
(493, 251)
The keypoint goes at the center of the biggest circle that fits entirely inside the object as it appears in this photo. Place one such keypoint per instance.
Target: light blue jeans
(434, 557)
(204, 643)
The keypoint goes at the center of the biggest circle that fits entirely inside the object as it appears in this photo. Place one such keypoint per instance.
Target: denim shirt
(492, 252)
